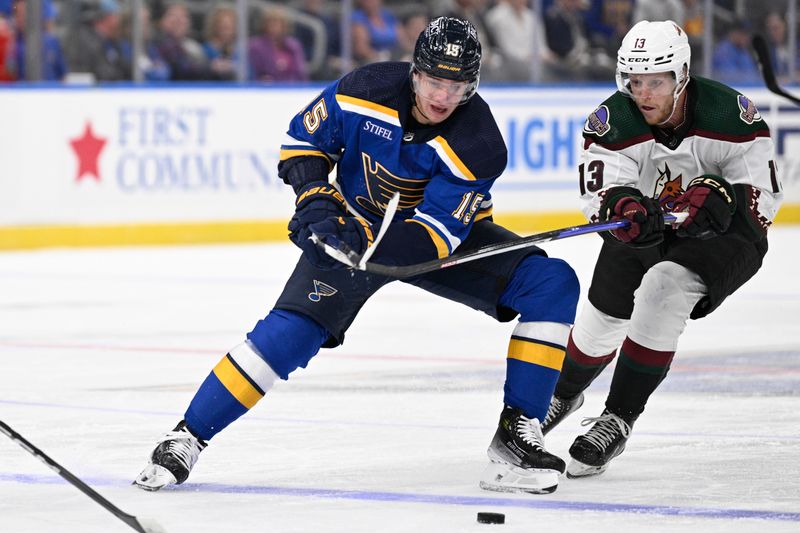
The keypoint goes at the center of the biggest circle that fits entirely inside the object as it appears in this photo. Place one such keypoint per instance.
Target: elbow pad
(300, 171)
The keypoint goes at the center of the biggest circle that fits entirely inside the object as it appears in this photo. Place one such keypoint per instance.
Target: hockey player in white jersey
(665, 141)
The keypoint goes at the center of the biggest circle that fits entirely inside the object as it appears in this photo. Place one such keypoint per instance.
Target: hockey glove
(316, 201)
(645, 214)
(710, 202)
(354, 232)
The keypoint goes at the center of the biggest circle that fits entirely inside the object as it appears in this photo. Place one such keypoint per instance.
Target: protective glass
(653, 85)
(439, 91)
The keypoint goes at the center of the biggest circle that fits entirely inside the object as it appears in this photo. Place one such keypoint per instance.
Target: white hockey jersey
(724, 135)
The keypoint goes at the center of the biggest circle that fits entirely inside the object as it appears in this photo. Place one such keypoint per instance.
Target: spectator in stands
(221, 28)
(183, 54)
(54, 66)
(331, 64)
(607, 23)
(49, 13)
(694, 25)
(475, 12)
(517, 32)
(732, 60)
(95, 48)
(411, 27)
(775, 30)
(375, 32)
(154, 67)
(568, 38)
(274, 54)
(8, 68)
(654, 10)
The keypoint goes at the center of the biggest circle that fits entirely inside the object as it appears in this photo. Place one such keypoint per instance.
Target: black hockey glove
(645, 214)
(710, 202)
(353, 231)
(316, 201)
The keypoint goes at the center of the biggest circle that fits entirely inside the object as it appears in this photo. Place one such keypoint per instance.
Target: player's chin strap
(345, 255)
(342, 253)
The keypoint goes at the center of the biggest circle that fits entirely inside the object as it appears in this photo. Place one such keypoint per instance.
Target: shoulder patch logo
(749, 113)
(598, 121)
(320, 290)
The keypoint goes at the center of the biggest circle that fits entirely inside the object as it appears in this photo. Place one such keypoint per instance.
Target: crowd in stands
(300, 40)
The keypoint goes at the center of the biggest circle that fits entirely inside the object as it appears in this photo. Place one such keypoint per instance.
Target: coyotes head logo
(667, 189)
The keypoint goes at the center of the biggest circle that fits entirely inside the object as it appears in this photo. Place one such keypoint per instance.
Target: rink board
(176, 164)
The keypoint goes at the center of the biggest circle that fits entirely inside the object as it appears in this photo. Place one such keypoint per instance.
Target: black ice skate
(591, 453)
(559, 409)
(518, 460)
(172, 460)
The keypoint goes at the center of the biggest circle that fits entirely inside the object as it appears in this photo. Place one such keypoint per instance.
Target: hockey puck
(491, 518)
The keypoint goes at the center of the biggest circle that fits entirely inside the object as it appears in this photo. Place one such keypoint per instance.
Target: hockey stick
(767, 71)
(142, 525)
(347, 256)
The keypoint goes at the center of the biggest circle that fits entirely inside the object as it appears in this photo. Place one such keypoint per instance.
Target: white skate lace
(605, 429)
(530, 431)
(184, 446)
(555, 407)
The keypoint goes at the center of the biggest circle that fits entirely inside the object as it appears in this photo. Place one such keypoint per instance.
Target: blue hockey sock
(277, 345)
(532, 370)
(544, 291)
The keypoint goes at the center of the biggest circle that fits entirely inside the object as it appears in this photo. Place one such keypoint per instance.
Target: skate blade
(577, 469)
(501, 477)
(154, 477)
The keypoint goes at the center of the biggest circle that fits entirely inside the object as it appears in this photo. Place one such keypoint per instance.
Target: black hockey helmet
(449, 48)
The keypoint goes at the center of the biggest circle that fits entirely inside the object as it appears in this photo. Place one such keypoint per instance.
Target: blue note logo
(320, 290)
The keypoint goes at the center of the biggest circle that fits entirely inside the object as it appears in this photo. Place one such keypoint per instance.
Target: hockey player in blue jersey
(419, 129)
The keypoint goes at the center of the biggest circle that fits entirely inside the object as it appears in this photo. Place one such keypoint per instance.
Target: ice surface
(102, 349)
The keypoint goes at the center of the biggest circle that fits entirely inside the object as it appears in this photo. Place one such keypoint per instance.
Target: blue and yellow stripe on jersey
(368, 108)
(449, 157)
(292, 147)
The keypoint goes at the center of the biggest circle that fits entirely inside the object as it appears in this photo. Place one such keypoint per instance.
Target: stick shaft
(503, 247)
(767, 71)
(70, 477)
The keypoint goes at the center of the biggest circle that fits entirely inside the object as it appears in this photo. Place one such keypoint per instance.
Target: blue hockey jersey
(362, 126)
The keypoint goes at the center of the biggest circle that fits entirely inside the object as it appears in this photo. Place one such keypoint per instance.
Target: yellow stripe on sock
(236, 383)
(537, 354)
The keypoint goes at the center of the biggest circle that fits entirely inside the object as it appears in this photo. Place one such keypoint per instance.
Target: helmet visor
(440, 91)
(654, 85)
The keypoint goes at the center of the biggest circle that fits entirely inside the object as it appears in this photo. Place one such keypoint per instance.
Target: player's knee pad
(287, 340)
(597, 334)
(543, 289)
(662, 305)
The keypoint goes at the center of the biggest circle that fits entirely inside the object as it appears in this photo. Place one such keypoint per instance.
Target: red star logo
(87, 147)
